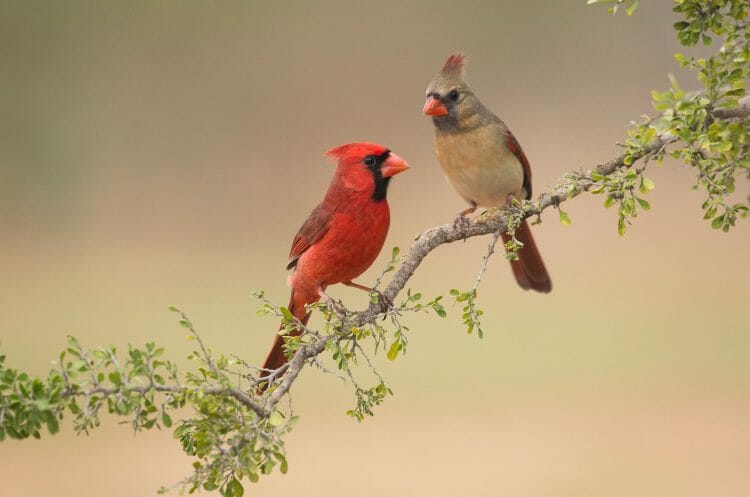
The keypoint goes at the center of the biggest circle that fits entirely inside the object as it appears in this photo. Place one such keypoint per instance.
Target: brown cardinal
(343, 235)
(482, 160)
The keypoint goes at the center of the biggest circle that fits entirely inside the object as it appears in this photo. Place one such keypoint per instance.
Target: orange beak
(434, 107)
(393, 165)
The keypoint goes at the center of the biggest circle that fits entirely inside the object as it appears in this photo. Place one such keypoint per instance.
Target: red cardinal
(482, 160)
(343, 235)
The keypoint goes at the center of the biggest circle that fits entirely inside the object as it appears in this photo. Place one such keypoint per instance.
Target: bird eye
(453, 95)
(369, 160)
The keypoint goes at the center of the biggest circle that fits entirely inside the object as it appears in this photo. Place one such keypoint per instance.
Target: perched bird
(482, 160)
(343, 235)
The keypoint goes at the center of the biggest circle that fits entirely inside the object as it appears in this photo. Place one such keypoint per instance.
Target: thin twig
(486, 259)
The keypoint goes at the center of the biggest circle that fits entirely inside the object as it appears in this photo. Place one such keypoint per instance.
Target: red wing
(516, 149)
(311, 231)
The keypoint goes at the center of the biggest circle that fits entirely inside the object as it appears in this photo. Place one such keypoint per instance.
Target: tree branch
(742, 111)
(236, 430)
(495, 221)
(236, 393)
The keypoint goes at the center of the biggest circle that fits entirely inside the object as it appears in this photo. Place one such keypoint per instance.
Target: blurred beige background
(164, 153)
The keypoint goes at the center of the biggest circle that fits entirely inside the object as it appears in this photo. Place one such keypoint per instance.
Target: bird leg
(461, 217)
(384, 302)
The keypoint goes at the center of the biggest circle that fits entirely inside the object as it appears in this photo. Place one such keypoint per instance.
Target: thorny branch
(496, 221)
(237, 430)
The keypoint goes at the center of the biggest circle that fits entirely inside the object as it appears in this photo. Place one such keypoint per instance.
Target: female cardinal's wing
(516, 150)
(312, 230)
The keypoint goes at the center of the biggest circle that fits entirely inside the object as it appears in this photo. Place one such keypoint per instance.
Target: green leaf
(439, 310)
(287, 315)
(393, 351)
(564, 219)
(633, 5)
(115, 378)
(275, 419)
(723, 146)
(52, 425)
(646, 185)
(181, 430)
(234, 488)
(643, 203)
(717, 222)
(627, 207)
(711, 212)
(284, 467)
(621, 228)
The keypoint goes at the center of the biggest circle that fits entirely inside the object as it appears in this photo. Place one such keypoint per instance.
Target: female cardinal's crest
(454, 64)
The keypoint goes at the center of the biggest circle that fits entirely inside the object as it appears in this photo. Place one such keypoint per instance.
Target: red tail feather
(529, 269)
(276, 357)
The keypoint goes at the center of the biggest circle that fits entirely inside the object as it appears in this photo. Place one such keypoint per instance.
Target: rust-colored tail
(529, 269)
(276, 358)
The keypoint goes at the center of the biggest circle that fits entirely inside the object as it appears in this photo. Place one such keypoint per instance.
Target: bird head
(449, 100)
(367, 167)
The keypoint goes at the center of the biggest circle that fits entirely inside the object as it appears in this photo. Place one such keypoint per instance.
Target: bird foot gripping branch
(333, 306)
(385, 303)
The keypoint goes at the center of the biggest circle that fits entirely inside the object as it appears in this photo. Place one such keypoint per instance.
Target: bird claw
(461, 223)
(335, 307)
(384, 302)
(461, 220)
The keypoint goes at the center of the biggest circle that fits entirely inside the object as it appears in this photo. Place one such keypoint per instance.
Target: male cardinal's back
(482, 160)
(343, 235)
